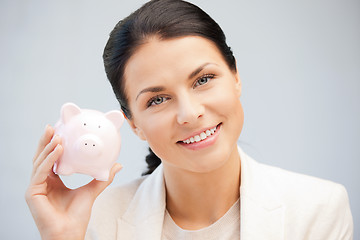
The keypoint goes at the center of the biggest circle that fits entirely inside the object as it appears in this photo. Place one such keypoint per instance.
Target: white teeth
(201, 136)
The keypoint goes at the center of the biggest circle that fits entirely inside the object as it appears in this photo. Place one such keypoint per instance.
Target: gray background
(299, 62)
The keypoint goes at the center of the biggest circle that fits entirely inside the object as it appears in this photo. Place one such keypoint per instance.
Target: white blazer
(275, 205)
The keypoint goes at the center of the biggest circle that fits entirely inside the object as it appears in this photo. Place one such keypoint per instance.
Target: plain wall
(299, 62)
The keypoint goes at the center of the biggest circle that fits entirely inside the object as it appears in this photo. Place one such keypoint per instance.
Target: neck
(196, 200)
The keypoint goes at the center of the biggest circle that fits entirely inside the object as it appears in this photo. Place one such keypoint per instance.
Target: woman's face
(185, 102)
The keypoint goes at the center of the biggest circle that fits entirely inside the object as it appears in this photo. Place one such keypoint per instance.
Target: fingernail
(118, 169)
(53, 138)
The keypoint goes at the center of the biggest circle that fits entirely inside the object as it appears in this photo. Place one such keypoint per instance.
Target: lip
(210, 140)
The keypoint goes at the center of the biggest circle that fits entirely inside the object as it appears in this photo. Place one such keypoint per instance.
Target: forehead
(158, 60)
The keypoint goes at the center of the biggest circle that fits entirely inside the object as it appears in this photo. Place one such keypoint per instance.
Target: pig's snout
(90, 144)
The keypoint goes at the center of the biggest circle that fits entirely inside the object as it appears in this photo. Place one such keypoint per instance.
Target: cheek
(226, 100)
(156, 129)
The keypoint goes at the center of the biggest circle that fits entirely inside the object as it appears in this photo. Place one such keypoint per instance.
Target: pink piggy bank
(91, 141)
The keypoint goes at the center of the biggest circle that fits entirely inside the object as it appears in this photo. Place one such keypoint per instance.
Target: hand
(60, 212)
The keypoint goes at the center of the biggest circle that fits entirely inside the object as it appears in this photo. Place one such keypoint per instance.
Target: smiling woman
(177, 82)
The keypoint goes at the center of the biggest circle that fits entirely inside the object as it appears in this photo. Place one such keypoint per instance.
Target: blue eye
(156, 100)
(203, 80)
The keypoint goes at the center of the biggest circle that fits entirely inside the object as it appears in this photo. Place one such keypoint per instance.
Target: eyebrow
(150, 89)
(199, 69)
(159, 88)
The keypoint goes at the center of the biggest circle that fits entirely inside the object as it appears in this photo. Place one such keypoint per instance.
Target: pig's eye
(84, 124)
(99, 126)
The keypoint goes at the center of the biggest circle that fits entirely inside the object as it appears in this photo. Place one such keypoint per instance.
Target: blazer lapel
(261, 211)
(145, 215)
(258, 222)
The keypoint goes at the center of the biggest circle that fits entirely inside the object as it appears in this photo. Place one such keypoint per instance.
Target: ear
(237, 81)
(136, 129)
(68, 111)
(238, 84)
(116, 117)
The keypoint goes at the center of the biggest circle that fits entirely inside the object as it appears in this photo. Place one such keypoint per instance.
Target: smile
(200, 137)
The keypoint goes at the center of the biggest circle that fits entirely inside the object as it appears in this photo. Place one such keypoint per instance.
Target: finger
(96, 187)
(46, 151)
(54, 180)
(45, 168)
(44, 140)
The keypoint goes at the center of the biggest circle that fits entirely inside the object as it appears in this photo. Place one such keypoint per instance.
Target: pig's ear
(68, 111)
(116, 117)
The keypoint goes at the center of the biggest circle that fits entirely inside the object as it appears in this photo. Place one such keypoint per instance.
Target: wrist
(63, 236)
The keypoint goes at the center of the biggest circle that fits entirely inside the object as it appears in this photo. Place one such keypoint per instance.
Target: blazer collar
(261, 211)
(144, 217)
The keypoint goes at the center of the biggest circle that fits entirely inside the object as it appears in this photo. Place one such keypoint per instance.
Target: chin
(209, 166)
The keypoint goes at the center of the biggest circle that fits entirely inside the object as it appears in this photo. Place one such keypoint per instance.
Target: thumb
(96, 187)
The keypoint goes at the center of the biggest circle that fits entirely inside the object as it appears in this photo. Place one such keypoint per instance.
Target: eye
(84, 124)
(203, 80)
(157, 100)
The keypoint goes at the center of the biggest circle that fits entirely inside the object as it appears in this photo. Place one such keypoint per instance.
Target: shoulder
(109, 206)
(127, 205)
(315, 205)
(292, 186)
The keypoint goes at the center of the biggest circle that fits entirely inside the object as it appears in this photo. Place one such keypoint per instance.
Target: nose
(90, 144)
(190, 109)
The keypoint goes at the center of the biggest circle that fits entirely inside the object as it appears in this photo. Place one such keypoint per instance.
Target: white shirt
(225, 228)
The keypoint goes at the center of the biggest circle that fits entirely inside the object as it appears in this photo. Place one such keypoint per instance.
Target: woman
(177, 83)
